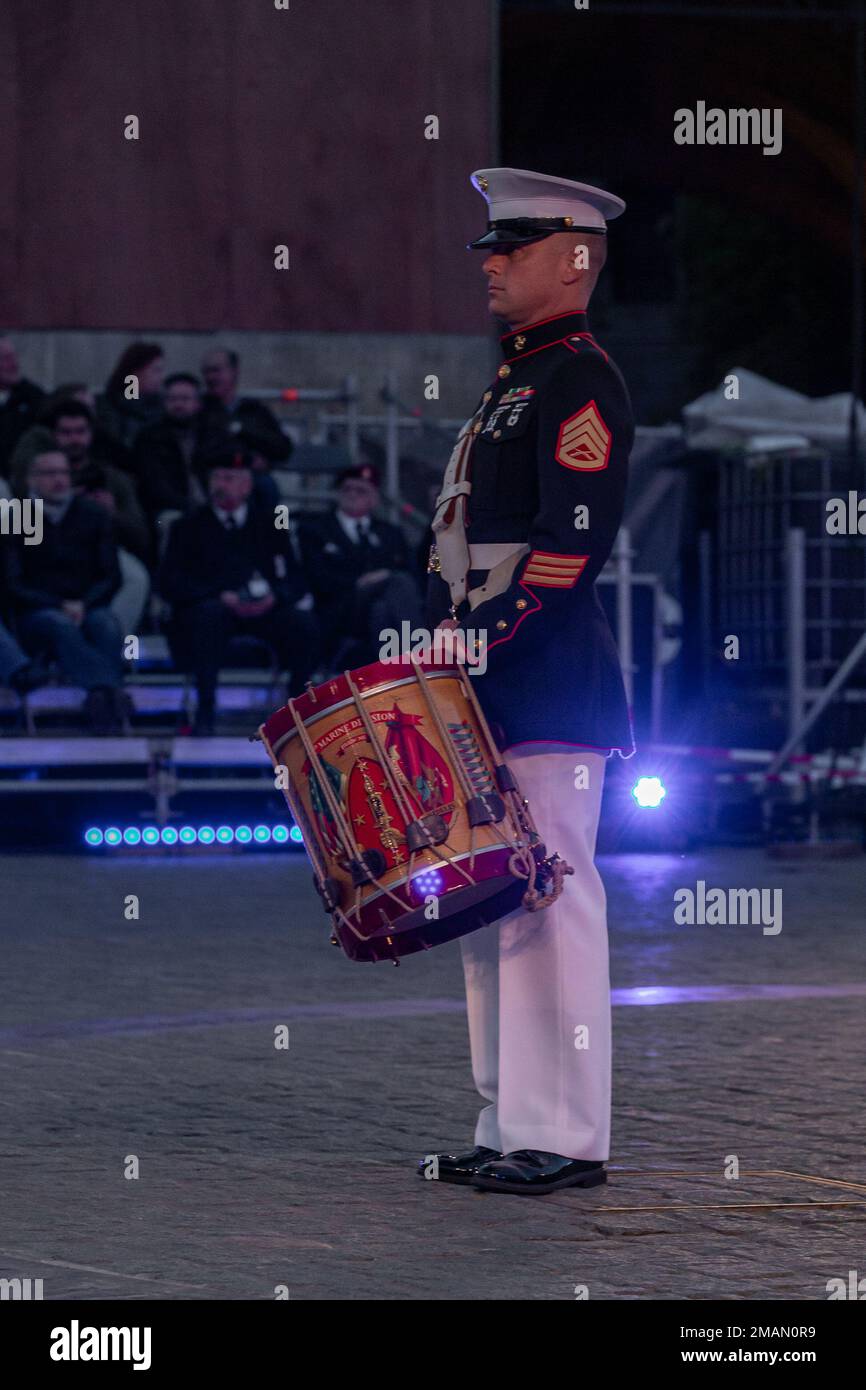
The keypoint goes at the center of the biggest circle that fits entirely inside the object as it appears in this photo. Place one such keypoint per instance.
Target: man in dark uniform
(527, 516)
(360, 569)
(230, 571)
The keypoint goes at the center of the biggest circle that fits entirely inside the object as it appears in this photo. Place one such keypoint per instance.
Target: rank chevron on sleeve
(584, 440)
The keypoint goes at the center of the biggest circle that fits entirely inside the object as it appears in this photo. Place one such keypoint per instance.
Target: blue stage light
(427, 883)
(113, 835)
(649, 792)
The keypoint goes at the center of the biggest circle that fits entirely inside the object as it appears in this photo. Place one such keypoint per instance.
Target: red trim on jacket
(527, 327)
(537, 609)
(589, 339)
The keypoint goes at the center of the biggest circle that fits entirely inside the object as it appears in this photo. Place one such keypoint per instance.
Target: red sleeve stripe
(548, 558)
(545, 582)
(554, 571)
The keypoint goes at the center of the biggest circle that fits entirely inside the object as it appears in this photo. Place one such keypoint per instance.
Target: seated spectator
(17, 671)
(226, 411)
(60, 590)
(123, 415)
(39, 437)
(361, 571)
(20, 401)
(170, 455)
(229, 571)
(72, 428)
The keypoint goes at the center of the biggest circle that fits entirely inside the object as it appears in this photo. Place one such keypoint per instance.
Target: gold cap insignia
(482, 183)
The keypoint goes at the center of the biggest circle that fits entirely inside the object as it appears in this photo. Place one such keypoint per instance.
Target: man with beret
(526, 518)
(230, 571)
(360, 569)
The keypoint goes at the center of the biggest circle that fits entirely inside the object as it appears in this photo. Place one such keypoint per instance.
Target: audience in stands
(61, 589)
(20, 401)
(72, 426)
(171, 455)
(230, 571)
(40, 437)
(133, 393)
(172, 473)
(361, 571)
(230, 413)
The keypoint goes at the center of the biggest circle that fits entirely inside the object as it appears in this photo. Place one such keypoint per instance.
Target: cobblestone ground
(261, 1167)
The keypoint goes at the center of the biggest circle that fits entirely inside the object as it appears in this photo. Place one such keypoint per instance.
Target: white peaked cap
(523, 206)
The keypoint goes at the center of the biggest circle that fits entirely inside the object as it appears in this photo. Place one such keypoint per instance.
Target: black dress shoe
(532, 1172)
(455, 1167)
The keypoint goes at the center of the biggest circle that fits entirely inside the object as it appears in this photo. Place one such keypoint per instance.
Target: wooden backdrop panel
(259, 127)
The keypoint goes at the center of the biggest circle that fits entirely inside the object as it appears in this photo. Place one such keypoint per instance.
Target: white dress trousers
(537, 983)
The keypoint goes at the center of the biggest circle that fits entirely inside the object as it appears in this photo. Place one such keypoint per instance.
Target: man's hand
(374, 577)
(74, 610)
(458, 641)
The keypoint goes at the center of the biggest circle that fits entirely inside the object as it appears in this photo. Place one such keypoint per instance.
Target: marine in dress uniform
(530, 506)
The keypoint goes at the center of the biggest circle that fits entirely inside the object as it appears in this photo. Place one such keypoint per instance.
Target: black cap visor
(520, 231)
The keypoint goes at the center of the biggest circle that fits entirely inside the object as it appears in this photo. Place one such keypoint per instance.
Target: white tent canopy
(767, 416)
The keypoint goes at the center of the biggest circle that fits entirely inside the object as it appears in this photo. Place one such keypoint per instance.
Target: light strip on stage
(150, 836)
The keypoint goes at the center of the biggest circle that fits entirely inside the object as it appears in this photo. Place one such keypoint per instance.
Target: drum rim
(454, 859)
(279, 744)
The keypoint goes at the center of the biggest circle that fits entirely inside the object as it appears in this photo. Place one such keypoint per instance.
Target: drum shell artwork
(423, 897)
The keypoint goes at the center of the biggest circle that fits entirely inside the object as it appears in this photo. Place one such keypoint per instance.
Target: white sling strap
(449, 518)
